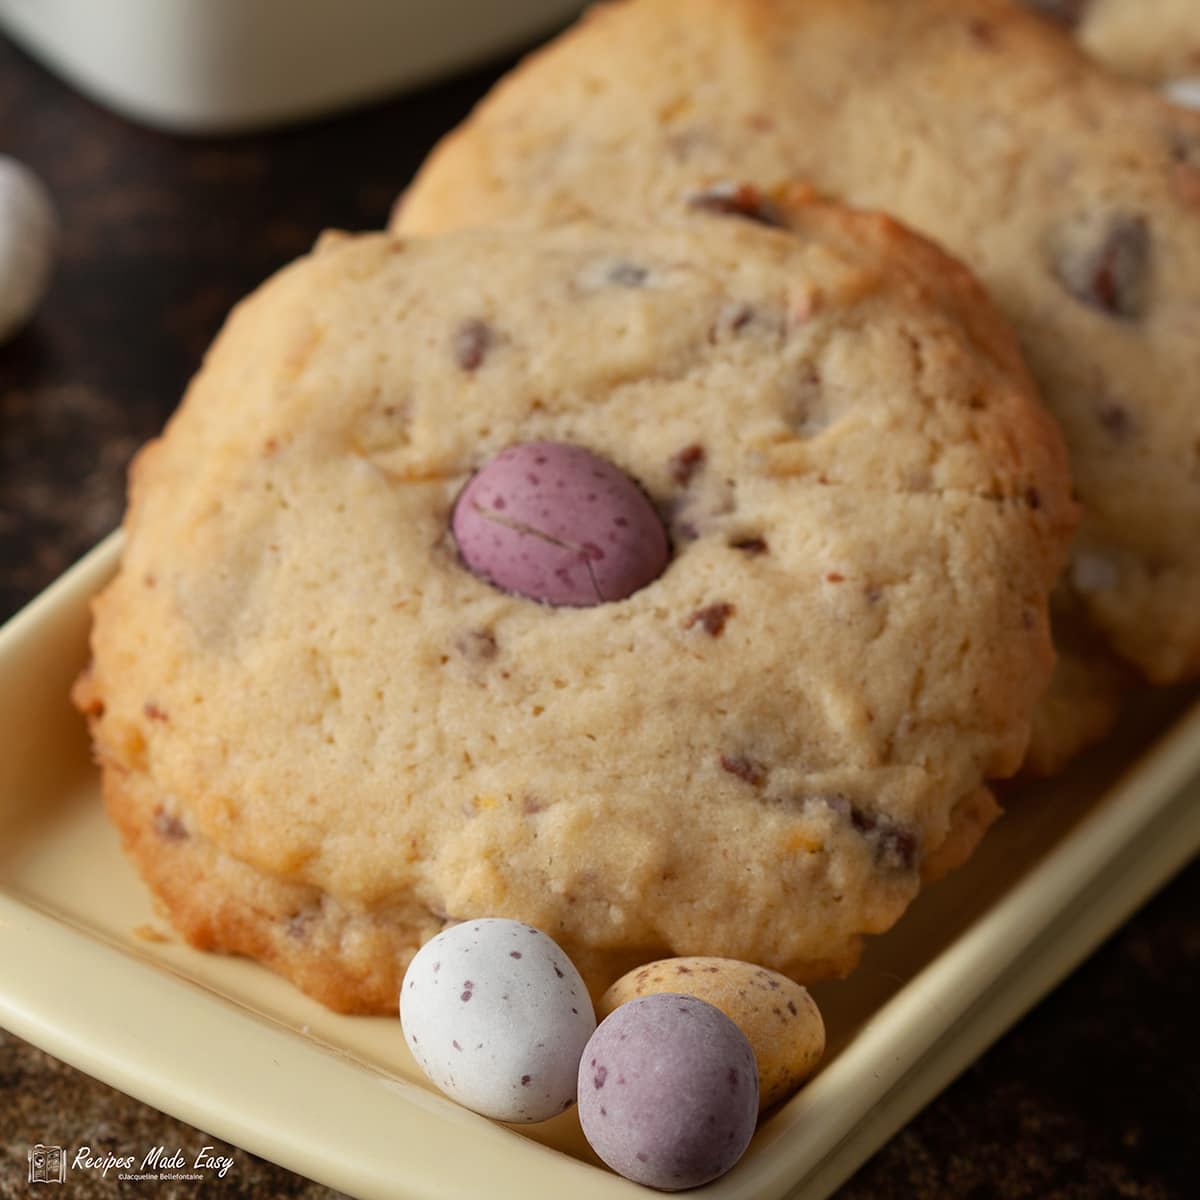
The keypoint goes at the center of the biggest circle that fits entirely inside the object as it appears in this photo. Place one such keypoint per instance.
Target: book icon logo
(47, 1164)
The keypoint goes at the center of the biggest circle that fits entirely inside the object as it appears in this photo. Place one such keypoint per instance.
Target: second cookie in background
(1073, 195)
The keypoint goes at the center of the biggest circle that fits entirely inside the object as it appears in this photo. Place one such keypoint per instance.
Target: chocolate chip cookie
(327, 727)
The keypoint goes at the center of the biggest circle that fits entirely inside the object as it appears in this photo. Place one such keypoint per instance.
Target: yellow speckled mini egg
(779, 1018)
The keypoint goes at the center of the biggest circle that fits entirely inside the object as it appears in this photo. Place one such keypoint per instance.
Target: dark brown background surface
(1095, 1094)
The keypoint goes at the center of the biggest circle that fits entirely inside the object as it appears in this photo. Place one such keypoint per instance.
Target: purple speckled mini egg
(497, 1016)
(558, 524)
(668, 1091)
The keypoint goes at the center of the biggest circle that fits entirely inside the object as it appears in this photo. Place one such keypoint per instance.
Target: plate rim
(1136, 837)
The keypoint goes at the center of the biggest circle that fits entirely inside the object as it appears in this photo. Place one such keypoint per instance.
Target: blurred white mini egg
(497, 1016)
(28, 231)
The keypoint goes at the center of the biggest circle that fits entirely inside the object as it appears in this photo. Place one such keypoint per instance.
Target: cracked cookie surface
(322, 736)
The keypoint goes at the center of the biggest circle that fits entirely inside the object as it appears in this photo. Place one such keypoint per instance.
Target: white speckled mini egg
(497, 1016)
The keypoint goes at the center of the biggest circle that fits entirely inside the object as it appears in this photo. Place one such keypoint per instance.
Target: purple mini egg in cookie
(497, 1016)
(668, 1091)
(558, 524)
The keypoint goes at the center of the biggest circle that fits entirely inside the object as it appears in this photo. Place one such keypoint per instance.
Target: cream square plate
(93, 976)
